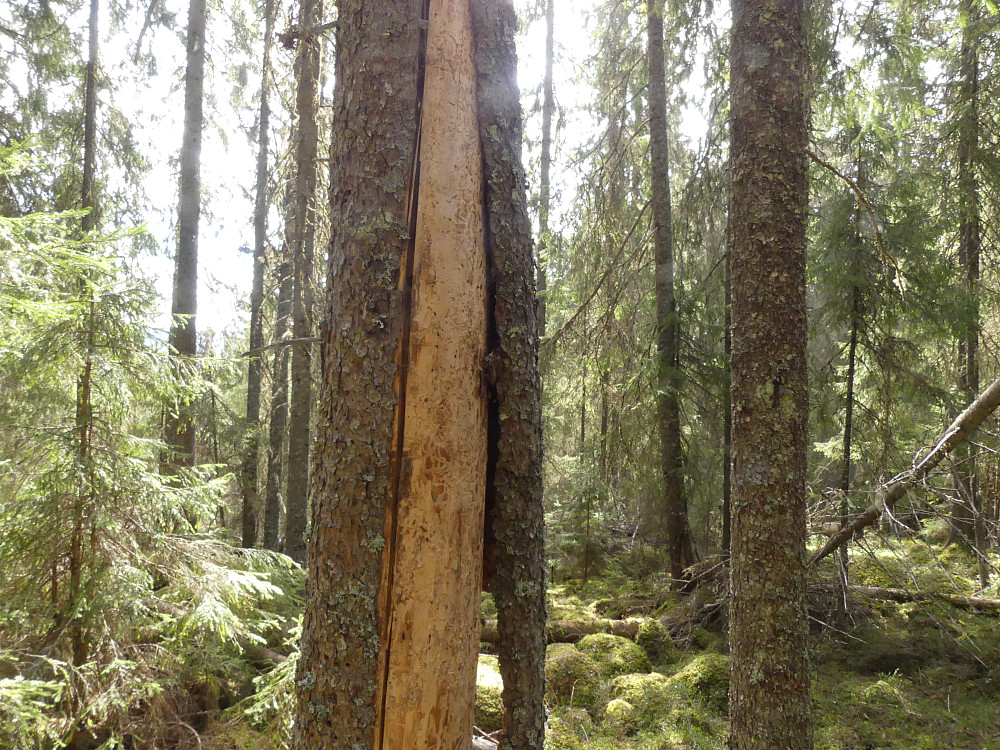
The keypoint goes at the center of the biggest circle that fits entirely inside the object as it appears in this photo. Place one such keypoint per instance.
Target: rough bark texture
(545, 182)
(518, 523)
(727, 422)
(960, 430)
(179, 431)
(251, 451)
(279, 412)
(374, 109)
(769, 705)
(303, 221)
(668, 373)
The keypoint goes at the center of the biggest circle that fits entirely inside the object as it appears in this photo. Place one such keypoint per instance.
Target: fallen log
(570, 631)
(964, 425)
(906, 596)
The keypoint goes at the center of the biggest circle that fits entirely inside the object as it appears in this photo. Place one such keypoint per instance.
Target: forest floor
(885, 675)
(651, 675)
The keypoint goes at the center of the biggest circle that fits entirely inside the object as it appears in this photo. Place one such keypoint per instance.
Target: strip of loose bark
(959, 431)
(570, 631)
(905, 595)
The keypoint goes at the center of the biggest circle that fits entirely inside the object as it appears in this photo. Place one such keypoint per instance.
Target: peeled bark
(179, 431)
(423, 207)
(769, 703)
(303, 223)
(668, 380)
(251, 451)
(429, 597)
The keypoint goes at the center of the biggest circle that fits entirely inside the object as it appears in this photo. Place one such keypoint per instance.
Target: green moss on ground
(654, 639)
(571, 677)
(614, 655)
(905, 676)
(706, 676)
(489, 694)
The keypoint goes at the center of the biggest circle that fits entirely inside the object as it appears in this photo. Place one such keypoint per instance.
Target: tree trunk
(251, 454)
(967, 522)
(668, 380)
(179, 431)
(854, 321)
(303, 223)
(84, 506)
(516, 411)
(727, 425)
(279, 411)
(769, 703)
(392, 616)
(545, 183)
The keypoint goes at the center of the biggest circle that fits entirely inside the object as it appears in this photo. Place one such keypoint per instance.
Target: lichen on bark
(519, 584)
(769, 690)
(373, 132)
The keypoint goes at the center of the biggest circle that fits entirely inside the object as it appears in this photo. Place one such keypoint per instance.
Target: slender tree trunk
(84, 386)
(845, 470)
(769, 702)
(668, 380)
(967, 522)
(727, 427)
(179, 431)
(251, 454)
(852, 351)
(279, 411)
(544, 187)
(307, 62)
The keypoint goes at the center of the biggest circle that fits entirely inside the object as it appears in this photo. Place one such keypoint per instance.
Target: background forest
(154, 458)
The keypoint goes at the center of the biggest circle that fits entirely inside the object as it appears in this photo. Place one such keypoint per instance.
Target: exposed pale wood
(431, 596)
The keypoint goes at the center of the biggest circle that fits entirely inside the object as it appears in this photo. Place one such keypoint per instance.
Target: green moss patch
(707, 678)
(571, 677)
(489, 694)
(614, 655)
(654, 639)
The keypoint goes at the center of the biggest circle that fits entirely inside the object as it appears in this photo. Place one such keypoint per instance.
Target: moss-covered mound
(571, 677)
(489, 692)
(614, 655)
(620, 715)
(707, 677)
(654, 639)
(650, 696)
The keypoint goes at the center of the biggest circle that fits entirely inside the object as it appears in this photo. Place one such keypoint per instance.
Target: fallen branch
(906, 596)
(570, 631)
(959, 431)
